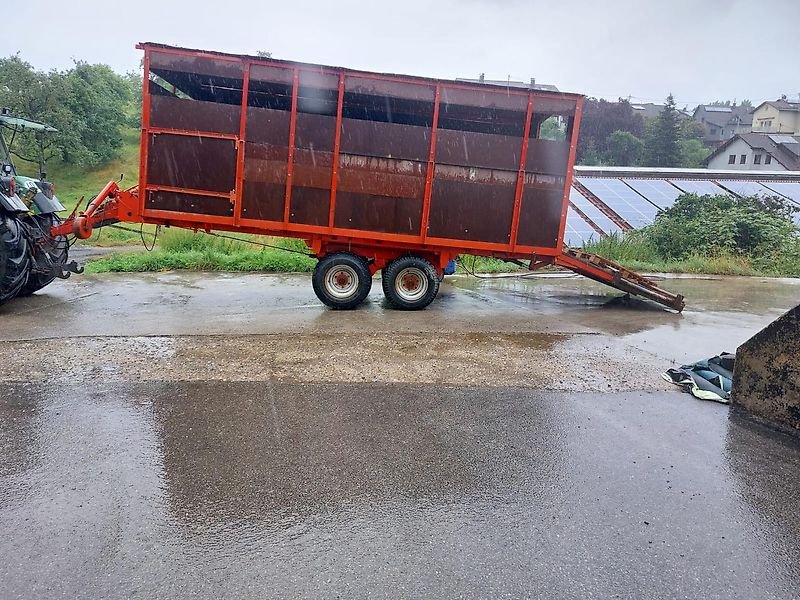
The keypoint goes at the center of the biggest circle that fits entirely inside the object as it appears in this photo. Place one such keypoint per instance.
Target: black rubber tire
(15, 257)
(354, 275)
(56, 249)
(412, 267)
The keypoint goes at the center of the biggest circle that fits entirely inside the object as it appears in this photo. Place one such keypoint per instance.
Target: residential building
(546, 87)
(721, 123)
(649, 110)
(780, 116)
(757, 151)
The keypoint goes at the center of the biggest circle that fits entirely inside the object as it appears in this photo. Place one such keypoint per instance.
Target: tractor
(30, 256)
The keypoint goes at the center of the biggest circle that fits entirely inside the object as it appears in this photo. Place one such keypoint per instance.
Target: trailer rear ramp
(610, 273)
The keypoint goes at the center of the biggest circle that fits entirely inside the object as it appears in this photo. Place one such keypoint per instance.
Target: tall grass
(634, 251)
(182, 249)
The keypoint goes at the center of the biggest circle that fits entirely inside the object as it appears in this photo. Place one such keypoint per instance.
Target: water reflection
(275, 452)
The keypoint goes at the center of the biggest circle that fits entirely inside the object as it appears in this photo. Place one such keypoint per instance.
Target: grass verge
(635, 252)
(182, 249)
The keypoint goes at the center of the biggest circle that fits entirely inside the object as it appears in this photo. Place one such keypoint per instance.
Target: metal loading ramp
(610, 273)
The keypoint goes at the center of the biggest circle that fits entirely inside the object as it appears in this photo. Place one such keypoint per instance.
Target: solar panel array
(658, 191)
(699, 187)
(637, 201)
(622, 199)
(784, 188)
(578, 232)
(746, 188)
(595, 214)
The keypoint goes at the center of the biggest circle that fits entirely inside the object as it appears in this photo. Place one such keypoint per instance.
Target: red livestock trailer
(375, 171)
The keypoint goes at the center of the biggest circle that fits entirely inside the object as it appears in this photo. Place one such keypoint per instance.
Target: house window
(768, 159)
(757, 159)
(731, 159)
(743, 159)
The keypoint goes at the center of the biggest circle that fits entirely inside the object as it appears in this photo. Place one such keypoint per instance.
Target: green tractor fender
(38, 196)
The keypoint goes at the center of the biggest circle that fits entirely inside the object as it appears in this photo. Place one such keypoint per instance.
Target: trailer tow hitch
(65, 270)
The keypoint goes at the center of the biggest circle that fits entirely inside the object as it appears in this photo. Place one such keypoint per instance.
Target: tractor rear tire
(48, 249)
(342, 280)
(15, 257)
(410, 283)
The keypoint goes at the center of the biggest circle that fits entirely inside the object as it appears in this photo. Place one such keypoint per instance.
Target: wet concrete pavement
(220, 436)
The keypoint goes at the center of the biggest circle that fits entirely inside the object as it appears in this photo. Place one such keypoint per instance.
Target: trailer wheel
(48, 250)
(410, 283)
(15, 257)
(342, 280)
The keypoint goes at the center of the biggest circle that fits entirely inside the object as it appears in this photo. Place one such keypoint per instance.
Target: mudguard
(12, 203)
(39, 195)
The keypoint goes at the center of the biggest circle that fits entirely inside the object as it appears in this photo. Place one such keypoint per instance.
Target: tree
(599, 120)
(693, 153)
(661, 147)
(87, 104)
(623, 149)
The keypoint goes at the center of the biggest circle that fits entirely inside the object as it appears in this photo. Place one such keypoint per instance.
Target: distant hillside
(72, 182)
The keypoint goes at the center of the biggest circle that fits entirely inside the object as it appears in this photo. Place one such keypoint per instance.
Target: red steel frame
(114, 204)
(330, 233)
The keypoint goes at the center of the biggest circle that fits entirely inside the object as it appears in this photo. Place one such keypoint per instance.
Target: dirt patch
(557, 361)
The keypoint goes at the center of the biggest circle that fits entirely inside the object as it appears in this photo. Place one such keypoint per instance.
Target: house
(544, 87)
(780, 116)
(721, 123)
(757, 151)
(649, 110)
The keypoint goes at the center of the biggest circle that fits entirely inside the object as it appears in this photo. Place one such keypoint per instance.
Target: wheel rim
(341, 281)
(411, 284)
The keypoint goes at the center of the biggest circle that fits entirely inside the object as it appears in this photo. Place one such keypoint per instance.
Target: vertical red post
(573, 148)
(426, 200)
(290, 158)
(523, 155)
(336, 142)
(240, 146)
(144, 141)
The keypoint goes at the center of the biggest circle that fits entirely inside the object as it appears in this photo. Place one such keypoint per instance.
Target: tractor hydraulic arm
(104, 209)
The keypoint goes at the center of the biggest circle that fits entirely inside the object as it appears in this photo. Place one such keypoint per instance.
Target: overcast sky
(700, 50)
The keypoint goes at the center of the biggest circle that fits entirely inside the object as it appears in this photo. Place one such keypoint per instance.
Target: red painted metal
(336, 145)
(393, 175)
(290, 159)
(521, 174)
(241, 145)
(573, 148)
(426, 200)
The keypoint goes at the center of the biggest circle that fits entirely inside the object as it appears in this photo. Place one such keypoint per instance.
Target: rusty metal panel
(188, 203)
(540, 214)
(267, 125)
(314, 132)
(389, 89)
(311, 182)
(269, 73)
(263, 200)
(547, 156)
(378, 213)
(199, 65)
(318, 93)
(390, 140)
(472, 204)
(310, 205)
(470, 149)
(194, 115)
(381, 176)
(379, 194)
(183, 161)
(555, 106)
(264, 185)
(485, 99)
